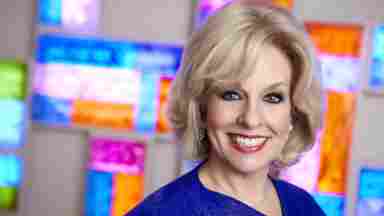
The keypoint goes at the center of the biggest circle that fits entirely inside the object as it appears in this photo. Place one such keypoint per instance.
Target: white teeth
(249, 142)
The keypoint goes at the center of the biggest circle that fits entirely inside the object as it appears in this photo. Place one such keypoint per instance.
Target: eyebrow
(237, 85)
(275, 85)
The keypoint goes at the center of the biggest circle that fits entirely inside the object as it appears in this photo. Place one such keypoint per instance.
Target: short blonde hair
(226, 48)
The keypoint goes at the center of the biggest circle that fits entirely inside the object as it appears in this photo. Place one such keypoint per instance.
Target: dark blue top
(187, 196)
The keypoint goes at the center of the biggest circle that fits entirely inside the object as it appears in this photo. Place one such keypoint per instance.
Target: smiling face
(248, 121)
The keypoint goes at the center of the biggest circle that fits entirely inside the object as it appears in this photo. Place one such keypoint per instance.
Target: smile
(247, 144)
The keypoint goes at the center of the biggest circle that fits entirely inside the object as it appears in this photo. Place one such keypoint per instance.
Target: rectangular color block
(159, 58)
(128, 192)
(98, 193)
(370, 196)
(51, 110)
(12, 124)
(339, 122)
(11, 168)
(117, 155)
(70, 15)
(162, 125)
(8, 198)
(13, 79)
(332, 205)
(103, 115)
(336, 39)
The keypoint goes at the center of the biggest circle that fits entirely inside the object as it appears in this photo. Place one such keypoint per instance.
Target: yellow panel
(288, 4)
(336, 141)
(128, 191)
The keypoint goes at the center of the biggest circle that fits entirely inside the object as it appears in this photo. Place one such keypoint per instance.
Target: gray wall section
(56, 158)
(56, 176)
(367, 147)
(165, 21)
(16, 19)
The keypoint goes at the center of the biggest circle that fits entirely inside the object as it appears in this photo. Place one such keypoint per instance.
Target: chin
(249, 166)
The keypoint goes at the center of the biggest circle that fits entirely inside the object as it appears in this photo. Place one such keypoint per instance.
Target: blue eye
(274, 98)
(230, 95)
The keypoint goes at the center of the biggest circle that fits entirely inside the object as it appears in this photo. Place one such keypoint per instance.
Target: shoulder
(297, 199)
(172, 199)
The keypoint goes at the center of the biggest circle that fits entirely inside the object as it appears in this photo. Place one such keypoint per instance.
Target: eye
(274, 98)
(230, 95)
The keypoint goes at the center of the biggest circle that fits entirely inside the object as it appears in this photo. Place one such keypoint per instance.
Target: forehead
(271, 66)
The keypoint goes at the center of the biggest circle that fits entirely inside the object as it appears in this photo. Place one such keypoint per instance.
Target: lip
(249, 150)
(248, 135)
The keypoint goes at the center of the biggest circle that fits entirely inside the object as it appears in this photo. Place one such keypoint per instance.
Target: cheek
(279, 118)
(219, 115)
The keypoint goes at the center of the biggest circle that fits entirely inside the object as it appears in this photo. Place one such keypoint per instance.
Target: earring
(290, 128)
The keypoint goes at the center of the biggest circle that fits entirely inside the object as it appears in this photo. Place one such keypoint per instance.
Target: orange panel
(336, 141)
(288, 4)
(100, 114)
(336, 39)
(161, 124)
(128, 192)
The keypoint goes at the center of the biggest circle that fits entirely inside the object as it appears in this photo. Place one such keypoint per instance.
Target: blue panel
(377, 74)
(49, 12)
(371, 192)
(12, 124)
(98, 195)
(10, 171)
(332, 205)
(371, 183)
(12, 112)
(376, 79)
(370, 207)
(378, 43)
(147, 112)
(98, 52)
(51, 110)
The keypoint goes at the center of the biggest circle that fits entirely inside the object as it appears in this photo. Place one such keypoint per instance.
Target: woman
(246, 102)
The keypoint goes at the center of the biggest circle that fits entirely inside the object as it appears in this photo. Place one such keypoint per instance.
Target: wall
(367, 146)
(56, 158)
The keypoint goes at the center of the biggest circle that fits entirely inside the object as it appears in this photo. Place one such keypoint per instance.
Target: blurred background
(83, 84)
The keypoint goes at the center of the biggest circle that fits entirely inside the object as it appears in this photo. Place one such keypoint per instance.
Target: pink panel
(81, 82)
(80, 15)
(114, 155)
(305, 173)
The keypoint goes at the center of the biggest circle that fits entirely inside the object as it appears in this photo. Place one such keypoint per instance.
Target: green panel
(13, 79)
(8, 198)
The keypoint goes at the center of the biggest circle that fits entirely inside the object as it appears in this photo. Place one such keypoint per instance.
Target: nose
(251, 116)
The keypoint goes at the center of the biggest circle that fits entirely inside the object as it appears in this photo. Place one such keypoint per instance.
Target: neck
(251, 188)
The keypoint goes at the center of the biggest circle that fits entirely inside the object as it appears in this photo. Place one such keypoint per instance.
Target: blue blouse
(187, 196)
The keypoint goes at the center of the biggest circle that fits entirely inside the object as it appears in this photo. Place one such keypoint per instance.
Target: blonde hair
(226, 48)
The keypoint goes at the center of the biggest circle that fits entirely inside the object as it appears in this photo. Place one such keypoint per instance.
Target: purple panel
(80, 15)
(112, 155)
(340, 74)
(304, 174)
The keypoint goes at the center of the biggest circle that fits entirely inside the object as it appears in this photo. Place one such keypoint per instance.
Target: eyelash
(229, 95)
(273, 98)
